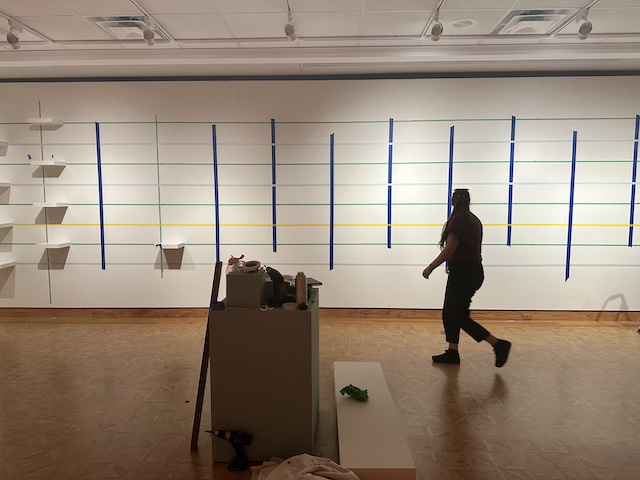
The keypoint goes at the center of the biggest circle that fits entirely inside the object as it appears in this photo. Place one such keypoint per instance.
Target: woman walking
(461, 246)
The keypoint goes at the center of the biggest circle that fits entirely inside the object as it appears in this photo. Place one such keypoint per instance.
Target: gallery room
(234, 236)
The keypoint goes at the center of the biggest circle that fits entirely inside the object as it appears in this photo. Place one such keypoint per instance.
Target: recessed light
(462, 23)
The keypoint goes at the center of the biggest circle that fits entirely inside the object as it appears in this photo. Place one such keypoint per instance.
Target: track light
(585, 27)
(148, 35)
(290, 28)
(12, 37)
(436, 28)
(436, 31)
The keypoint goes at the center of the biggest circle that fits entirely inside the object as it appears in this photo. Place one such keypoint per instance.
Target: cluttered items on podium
(251, 284)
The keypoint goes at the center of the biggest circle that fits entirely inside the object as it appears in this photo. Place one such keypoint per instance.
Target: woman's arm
(447, 252)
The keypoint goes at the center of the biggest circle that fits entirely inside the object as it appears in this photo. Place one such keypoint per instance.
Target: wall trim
(389, 314)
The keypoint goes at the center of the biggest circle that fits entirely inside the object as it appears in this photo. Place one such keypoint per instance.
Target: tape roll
(251, 266)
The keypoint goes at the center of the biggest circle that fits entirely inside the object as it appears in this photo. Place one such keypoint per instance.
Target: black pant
(465, 278)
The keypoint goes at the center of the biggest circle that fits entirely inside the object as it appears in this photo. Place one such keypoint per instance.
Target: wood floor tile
(99, 400)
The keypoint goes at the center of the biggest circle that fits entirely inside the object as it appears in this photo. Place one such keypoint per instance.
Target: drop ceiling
(238, 38)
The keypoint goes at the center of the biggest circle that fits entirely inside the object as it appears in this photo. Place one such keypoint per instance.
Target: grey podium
(264, 379)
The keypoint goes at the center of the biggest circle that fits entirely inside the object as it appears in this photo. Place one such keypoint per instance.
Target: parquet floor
(94, 399)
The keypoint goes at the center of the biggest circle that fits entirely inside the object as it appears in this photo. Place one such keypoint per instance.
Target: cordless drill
(237, 441)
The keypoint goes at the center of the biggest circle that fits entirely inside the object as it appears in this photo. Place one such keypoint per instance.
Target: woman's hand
(427, 271)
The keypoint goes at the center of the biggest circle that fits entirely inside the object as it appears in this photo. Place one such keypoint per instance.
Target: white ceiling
(62, 39)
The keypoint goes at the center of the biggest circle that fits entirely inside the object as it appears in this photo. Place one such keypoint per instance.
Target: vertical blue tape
(216, 197)
(100, 197)
(331, 198)
(390, 183)
(634, 178)
(274, 233)
(450, 181)
(571, 198)
(512, 156)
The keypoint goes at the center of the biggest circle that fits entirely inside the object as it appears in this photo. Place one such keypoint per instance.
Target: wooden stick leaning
(205, 360)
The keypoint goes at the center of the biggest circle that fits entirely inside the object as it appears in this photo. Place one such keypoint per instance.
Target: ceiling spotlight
(436, 28)
(436, 31)
(12, 38)
(290, 28)
(585, 27)
(148, 35)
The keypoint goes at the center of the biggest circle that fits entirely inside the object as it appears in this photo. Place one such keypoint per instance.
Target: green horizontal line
(338, 122)
(377, 204)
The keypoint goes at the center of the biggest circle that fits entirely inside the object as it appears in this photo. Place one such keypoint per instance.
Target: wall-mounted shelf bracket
(55, 245)
(170, 246)
(51, 204)
(48, 163)
(48, 123)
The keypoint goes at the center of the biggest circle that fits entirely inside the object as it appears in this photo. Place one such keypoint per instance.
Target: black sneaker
(501, 349)
(449, 356)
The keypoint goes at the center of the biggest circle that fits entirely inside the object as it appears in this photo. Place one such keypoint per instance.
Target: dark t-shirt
(468, 228)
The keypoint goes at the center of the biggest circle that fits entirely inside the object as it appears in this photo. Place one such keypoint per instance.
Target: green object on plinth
(355, 392)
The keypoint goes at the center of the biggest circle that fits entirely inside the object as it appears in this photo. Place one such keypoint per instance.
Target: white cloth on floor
(302, 467)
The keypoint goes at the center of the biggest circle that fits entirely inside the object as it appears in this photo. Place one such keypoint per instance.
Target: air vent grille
(531, 22)
(126, 28)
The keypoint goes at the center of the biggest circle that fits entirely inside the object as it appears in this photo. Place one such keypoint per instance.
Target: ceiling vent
(126, 28)
(531, 22)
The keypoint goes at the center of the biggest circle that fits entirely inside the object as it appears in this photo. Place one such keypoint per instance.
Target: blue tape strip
(216, 197)
(389, 183)
(274, 233)
(450, 181)
(331, 198)
(512, 156)
(634, 177)
(571, 197)
(100, 197)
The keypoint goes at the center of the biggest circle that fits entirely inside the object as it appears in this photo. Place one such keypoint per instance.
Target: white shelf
(50, 122)
(170, 246)
(7, 264)
(55, 245)
(51, 204)
(4, 146)
(5, 184)
(48, 163)
(6, 225)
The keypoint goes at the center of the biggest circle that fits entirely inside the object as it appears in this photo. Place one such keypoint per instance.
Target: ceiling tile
(480, 5)
(610, 20)
(256, 25)
(395, 5)
(110, 8)
(549, 4)
(61, 28)
(326, 5)
(154, 7)
(194, 26)
(254, 6)
(395, 23)
(18, 8)
(325, 24)
(616, 3)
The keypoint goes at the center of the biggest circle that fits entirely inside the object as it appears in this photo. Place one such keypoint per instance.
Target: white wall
(156, 146)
